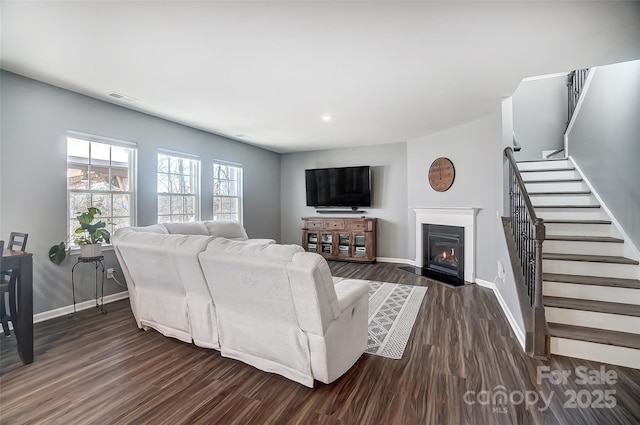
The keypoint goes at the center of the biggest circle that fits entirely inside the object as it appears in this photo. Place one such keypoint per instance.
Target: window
(178, 188)
(227, 192)
(100, 174)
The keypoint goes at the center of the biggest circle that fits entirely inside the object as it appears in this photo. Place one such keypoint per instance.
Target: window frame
(196, 164)
(240, 195)
(132, 177)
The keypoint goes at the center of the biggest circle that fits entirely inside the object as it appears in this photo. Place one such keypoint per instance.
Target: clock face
(441, 174)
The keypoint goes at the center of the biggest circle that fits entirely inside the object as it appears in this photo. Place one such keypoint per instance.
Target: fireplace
(457, 217)
(443, 253)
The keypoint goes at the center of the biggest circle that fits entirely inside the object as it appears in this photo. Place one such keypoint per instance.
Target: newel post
(540, 323)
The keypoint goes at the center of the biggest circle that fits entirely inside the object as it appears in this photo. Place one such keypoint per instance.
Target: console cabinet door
(345, 242)
(310, 241)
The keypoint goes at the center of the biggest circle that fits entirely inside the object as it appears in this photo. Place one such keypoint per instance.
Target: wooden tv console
(343, 239)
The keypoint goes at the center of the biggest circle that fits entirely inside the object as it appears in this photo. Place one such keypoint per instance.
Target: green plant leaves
(58, 253)
(87, 233)
(91, 232)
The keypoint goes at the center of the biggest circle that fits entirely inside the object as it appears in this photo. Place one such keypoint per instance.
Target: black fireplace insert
(443, 253)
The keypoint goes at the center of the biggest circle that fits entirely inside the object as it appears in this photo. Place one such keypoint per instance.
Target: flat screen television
(339, 187)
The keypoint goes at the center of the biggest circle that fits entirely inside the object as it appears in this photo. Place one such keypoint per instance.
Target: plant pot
(91, 250)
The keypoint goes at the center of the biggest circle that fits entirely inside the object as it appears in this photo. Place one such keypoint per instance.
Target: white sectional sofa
(273, 306)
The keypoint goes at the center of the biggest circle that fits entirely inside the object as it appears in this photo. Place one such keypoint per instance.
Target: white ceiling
(387, 71)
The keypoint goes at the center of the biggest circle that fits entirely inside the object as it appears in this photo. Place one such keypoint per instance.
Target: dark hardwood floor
(95, 369)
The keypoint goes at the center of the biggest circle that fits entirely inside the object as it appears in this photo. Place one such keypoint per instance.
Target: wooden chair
(8, 283)
(2, 284)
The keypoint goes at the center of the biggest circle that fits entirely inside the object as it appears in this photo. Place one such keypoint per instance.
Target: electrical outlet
(501, 272)
(109, 273)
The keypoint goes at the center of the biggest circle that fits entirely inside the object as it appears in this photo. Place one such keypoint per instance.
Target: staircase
(591, 291)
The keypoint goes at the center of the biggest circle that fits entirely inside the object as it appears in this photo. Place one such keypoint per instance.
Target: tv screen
(339, 187)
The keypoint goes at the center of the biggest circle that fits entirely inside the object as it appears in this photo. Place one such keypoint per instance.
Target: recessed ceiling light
(327, 117)
(241, 136)
(122, 97)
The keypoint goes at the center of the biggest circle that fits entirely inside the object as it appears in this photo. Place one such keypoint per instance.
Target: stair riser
(550, 175)
(586, 268)
(592, 292)
(587, 248)
(544, 165)
(556, 187)
(564, 200)
(592, 319)
(581, 229)
(571, 214)
(600, 353)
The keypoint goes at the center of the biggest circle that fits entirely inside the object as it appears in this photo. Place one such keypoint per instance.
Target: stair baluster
(528, 233)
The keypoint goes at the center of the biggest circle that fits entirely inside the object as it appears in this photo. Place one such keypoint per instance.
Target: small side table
(98, 262)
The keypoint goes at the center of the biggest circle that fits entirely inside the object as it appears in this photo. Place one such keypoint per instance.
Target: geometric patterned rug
(392, 312)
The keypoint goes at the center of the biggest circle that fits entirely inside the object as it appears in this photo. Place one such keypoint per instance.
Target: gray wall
(540, 116)
(475, 148)
(389, 191)
(605, 141)
(34, 122)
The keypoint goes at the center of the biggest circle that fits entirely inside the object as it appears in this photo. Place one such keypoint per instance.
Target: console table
(23, 262)
(343, 239)
(98, 262)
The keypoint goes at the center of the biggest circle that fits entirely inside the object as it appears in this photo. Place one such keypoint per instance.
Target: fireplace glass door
(443, 253)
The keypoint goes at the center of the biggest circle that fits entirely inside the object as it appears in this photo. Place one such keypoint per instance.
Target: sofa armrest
(262, 241)
(350, 291)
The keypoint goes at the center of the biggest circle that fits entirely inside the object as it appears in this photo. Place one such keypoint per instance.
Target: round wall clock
(441, 174)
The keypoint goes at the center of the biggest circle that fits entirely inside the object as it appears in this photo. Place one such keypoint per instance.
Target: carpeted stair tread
(565, 221)
(595, 306)
(610, 259)
(572, 238)
(600, 336)
(547, 170)
(592, 280)
(577, 192)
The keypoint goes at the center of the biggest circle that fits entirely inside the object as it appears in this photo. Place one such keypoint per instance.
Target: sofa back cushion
(170, 292)
(192, 228)
(313, 292)
(257, 316)
(154, 228)
(270, 251)
(304, 276)
(229, 229)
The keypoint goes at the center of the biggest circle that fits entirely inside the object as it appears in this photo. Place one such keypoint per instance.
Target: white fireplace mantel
(453, 216)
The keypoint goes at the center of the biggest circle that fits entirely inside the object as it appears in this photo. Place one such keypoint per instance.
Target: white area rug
(393, 310)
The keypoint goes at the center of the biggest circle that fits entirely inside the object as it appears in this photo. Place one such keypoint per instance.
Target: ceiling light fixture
(123, 97)
(327, 117)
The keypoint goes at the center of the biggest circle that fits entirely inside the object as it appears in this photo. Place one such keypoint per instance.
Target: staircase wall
(604, 141)
(540, 115)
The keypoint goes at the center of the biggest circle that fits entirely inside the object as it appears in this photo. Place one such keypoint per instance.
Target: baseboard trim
(512, 321)
(85, 305)
(395, 260)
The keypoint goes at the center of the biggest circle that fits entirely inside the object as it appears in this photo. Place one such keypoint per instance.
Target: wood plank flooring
(95, 369)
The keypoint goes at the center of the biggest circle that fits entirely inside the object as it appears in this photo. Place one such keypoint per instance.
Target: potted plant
(89, 236)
